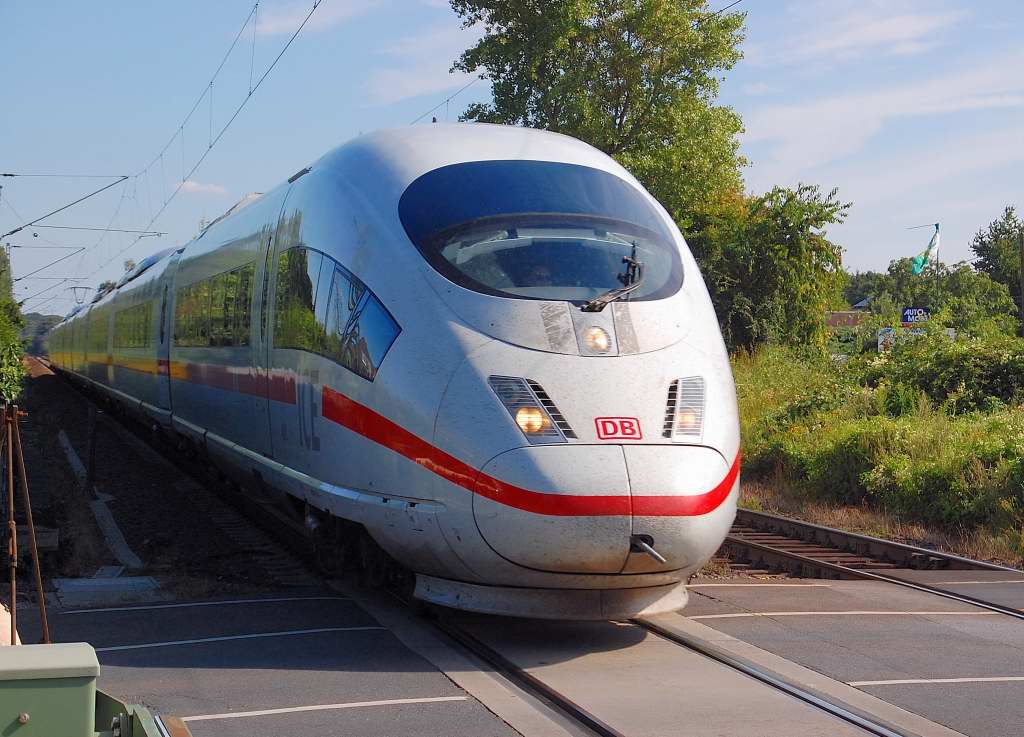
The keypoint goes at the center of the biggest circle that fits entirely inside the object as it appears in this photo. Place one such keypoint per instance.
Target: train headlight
(684, 410)
(596, 339)
(687, 420)
(532, 420)
(532, 409)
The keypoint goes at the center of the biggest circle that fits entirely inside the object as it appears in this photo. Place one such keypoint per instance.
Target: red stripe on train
(373, 426)
(280, 386)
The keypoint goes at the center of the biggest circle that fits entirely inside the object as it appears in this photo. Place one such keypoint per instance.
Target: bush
(964, 375)
(931, 432)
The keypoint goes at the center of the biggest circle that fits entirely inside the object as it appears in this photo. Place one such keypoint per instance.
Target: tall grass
(859, 434)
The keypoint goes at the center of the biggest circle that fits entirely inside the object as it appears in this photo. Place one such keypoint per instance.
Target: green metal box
(48, 690)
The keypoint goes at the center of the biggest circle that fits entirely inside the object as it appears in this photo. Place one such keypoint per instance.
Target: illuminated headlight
(596, 339)
(687, 421)
(684, 411)
(532, 420)
(531, 408)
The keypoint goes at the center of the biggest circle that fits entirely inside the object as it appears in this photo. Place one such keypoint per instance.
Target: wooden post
(27, 502)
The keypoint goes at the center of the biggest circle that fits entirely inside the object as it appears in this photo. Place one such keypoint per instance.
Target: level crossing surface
(950, 662)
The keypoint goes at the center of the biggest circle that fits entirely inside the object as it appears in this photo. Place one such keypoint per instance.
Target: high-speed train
(486, 348)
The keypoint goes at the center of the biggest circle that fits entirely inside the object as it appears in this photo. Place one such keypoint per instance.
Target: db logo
(618, 428)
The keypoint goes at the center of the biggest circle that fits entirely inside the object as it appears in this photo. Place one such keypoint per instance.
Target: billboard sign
(915, 316)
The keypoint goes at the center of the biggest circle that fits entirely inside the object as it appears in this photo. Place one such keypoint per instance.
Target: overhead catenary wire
(7, 202)
(206, 88)
(45, 301)
(64, 207)
(19, 245)
(64, 176)
(42, 291)
(145, 233)
(448, 99)
(219, 135)
(41, 268)
(179, 132)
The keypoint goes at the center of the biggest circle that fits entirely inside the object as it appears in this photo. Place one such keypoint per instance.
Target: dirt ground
(152, 503)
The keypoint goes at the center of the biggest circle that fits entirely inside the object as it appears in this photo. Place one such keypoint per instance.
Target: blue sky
(914, 109)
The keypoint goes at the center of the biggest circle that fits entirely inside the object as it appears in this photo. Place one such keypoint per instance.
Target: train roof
(400, 155)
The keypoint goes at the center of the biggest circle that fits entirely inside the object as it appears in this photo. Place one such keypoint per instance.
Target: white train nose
(557, 508)
(588, 508)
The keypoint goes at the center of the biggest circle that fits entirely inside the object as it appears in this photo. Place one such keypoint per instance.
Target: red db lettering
(618, 428)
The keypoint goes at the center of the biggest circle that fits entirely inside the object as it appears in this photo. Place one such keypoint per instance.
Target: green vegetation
(12, 371)
(35, 332)
(933, 431)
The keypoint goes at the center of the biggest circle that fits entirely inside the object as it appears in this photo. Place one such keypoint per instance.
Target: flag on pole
(929, 254)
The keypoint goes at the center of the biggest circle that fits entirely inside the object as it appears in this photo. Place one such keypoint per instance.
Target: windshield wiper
(631, 281)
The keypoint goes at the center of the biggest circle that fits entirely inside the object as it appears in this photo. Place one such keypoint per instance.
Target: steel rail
(533, 685)
(769, 552)
(899, 551)
(861, 719)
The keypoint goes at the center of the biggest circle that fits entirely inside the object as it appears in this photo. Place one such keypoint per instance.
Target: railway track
(593, 724)
(763, 541)
(768, 542)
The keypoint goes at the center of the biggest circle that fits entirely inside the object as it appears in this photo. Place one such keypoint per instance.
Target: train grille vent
(684, 410)
(516, 393)
(670, 409)
(560, 422)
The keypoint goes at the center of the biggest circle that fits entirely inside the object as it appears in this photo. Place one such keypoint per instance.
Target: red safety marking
(364, 421)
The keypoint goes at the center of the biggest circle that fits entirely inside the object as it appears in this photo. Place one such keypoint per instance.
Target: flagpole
(921, 261)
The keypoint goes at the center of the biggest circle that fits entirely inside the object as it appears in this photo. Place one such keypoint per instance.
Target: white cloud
(840, 32)
(194, 187)
(423, 65)
(286, 18)
(814, 132)
(920, 171)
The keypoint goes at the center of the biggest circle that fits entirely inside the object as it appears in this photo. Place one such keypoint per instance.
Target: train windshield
(539, 230)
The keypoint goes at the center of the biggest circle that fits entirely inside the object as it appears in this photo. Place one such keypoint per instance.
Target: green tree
(6, 282)
(957, 295)
(865, 285)
(11, 369)
(770, 269)
(637, 79)
(998, 250)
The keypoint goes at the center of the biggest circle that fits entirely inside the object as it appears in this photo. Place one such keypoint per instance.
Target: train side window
(184, 337)
(131, 326)
(359, 330)
(323, 299)
(203, 313)
(228, 307)
(216, 309)
(344, 295)
(294, 317)
(163, 315)
(368, 338)
(243, 309)
(179, 314)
